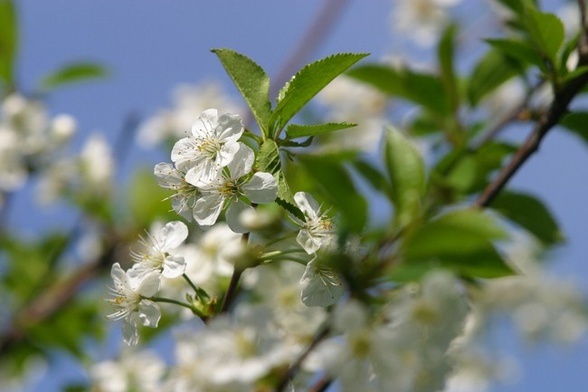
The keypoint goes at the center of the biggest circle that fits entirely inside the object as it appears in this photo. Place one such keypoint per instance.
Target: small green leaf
(373, 176)
(546, 30)
(308, 82)
(577, 124)
(73, 73)
(268, 160)
(251, 81)
(519, 49)
(530, 213)
(460, 241)
(445, 54)
(490, 72)
(8, 41)
(420, 88)
(294, 131)
(339, 189)
(406, 170)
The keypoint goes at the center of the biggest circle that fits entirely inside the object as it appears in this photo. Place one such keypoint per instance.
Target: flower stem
(171, 301)
(232, 289)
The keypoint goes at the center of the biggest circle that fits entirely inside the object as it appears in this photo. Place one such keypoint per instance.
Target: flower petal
(262, 188)
(130, 333)
(148, 285)
(206, 123)
(167, 176)
(233, 215)
(320, 286)
(307, 204)
(242, 162)
(172, 235)
(173, 267)
(185, 153)
(231, 127)
(208, 208)
(309, 243)
(149, 313)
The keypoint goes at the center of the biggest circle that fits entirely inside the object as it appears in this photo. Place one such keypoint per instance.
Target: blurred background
(152, 48)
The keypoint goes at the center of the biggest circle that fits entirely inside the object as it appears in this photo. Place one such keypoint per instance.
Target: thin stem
(171, 301)
(323, 333)
(321, 385)
(189, 281)
(234, 283)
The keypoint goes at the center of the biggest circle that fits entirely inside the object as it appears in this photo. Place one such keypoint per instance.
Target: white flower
(321, 286)
(156, 256)
(132, 305)
(134, 371)
(184, 200)
(229, 185)
(317, 228)
(211, 147)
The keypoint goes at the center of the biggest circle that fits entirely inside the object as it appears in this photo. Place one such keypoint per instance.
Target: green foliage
(460, 241)
(337, 186)
(529, 213)
(546, 32)
(445, 55)
(421, 88)
(406, 171)
(73, 73)
(307, 83)
(577, 124)
(491, 71)
(294, 131)
(8, 41)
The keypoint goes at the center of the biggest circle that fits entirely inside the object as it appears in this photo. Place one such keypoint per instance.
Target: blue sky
(153, 45)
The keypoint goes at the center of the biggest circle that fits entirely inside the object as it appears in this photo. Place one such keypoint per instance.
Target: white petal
(227, 153)
(184, 153)
(233, 216)
(149, 284)
(242, 162)
(149, 313)
(130, 333)
(307, 204)
(181, 205)
(320, 287)
(173, 267)
(206, 123)
(118, 275)
(172, 235)
(167, 175)
(309, 243)
(231, 127)
(202, 172)
(261, 188)
(208, 208)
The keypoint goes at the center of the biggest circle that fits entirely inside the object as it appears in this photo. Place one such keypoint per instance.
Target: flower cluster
(212, 171)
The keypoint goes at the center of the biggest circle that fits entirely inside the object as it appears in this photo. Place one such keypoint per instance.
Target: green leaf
(546, 31)
(406, 170)
(251, 81)
(460, 241)
(308, 82)
(445, 54)
(373, 176)
(294, 131)
(8, 41)
(268, 160)
(519, 49)
(531, 214)
(420, 88)
(577, 124)
(490, 72)
(339, 189)
(73, 73)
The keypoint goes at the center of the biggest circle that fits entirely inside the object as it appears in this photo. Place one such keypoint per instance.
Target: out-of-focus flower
(212, 146)
(133, 307)
(348, 100)
(158, 253)
(321, 286)
(421, 20)
(188, 100)
(134, 371)
(96, 164)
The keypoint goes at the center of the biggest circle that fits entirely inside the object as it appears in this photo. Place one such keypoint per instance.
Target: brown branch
(550, 117)
(293, 369)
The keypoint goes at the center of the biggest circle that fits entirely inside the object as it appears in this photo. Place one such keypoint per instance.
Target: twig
(234, 283)
(321, 385)
(293, 369)
(549, 118)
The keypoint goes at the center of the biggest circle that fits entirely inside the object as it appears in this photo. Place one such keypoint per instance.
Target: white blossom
(185, 196)
(229, 185)
(317, 228)
(321, 286)
(134, 371)
(133, 307)
(211, 146)
(158, 253)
